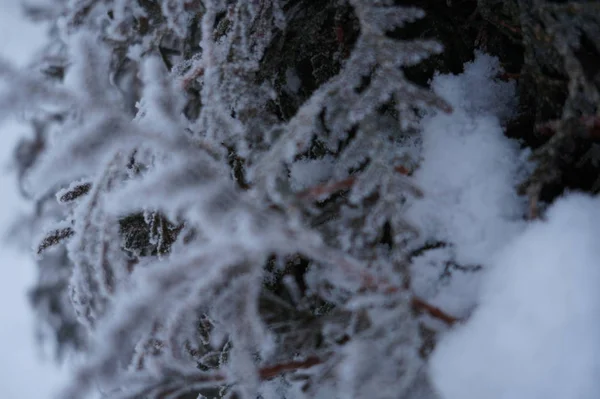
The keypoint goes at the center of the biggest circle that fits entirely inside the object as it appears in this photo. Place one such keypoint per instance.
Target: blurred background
(25, 370)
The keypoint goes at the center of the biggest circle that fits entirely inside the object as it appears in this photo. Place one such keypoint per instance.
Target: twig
(189, 77)
(370, 282)
(267, 373)
(591, 124)
(327, 189)
(420, 305)
(506, 76)
(514, 29)
(169, 387)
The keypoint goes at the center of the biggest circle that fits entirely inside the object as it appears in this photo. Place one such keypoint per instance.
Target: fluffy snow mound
(469, 167)
(468, 174)
(535, 334)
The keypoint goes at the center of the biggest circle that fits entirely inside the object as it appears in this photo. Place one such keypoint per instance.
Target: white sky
(24, 374)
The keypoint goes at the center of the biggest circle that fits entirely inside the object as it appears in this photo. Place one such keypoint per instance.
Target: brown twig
(514, 29)
(419, 305)
(269, 372)
(592, 124)
(189, 77)
(265, 373)
(327, 189)
(370, 282)
(548, 128)
(506, 76)
(402, 170)
(167, 390)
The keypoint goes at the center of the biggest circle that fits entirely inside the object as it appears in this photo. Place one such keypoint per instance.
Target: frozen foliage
(183, 227)
(535, 332)
(223, 221)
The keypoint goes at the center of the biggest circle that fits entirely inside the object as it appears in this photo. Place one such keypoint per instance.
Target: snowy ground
(24, 374)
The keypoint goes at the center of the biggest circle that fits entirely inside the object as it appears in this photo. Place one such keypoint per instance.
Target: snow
(468, 173)
(535, 332)
(292, 80)
(469, 167)
(24, 374)
(452, 290)
(306, 173)
(531, 288)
